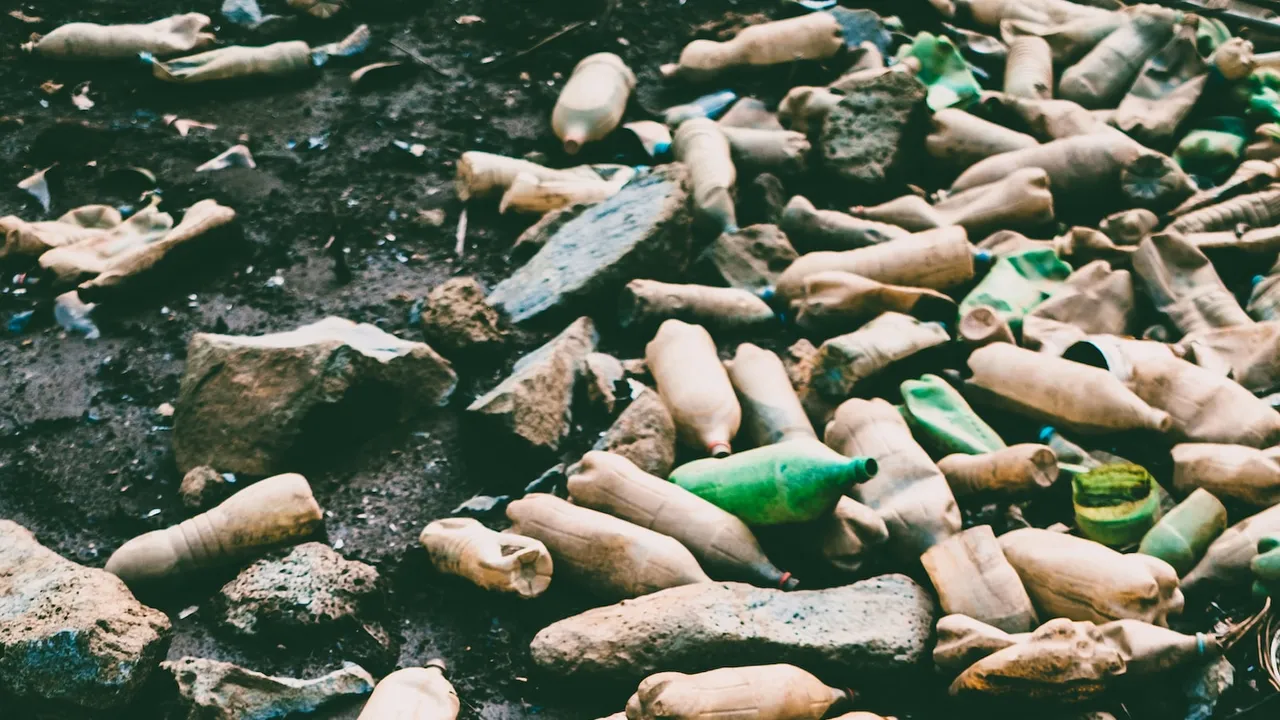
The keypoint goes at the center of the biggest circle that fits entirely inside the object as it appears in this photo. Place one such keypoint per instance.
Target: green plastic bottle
(943, 70)
(943, 422)
(790, 482)
(1115, 504)
(1017, 283)
(1266, 568)
(1182, 537)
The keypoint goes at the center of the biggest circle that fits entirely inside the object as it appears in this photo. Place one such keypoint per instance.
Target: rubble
(456, 318)
(215, 690)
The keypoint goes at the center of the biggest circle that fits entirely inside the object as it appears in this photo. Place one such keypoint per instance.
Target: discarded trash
(235, 156)
(495, 561)
(1010, 472)
(184, 126)
(1115, 504)
(72, 314)
(245, 12)
(708, 106)
(322, 9)
(768, 692)
(973, 578)
(87, 41)
(702, 146)
(808, 37)
(1183, 535)
(80, 98)
(593, 100)
(417, 693)
(646, 303)
(278, 60)
(38, 187)
(695, 386)
(941, 418)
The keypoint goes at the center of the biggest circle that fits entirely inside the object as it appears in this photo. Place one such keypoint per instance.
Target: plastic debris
(236, 156)
(38, 187)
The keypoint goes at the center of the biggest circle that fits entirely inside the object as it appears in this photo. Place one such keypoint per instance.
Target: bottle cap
(438, 663)
(719, 450)
(1046, 432)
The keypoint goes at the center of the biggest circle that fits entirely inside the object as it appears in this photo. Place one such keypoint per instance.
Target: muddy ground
(85, 457)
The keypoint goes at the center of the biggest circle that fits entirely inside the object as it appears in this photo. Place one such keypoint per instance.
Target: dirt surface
(85, 457)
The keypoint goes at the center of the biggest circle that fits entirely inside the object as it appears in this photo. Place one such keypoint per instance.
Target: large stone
(457, 319)
(247, 401)
(214, 690)
(70, 633)
(644, 433)
(535, 402)
(876, 131)
(750, 259)
(874, 627)
(311, 589)
(642, 232)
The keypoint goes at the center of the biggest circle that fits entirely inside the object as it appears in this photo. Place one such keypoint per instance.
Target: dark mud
(85, 458)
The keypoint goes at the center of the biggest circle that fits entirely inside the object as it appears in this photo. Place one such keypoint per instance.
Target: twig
(544, 41)
(418, 58)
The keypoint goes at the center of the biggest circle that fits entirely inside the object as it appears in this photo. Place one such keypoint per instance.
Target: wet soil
(85, 456)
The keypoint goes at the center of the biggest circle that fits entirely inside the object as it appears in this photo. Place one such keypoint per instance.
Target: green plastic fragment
(943, 70)
(1017, 283)
(943, 422)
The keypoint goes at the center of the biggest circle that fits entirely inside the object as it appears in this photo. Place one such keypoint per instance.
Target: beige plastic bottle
(89, 41)
(1046, 120)
(720, 541)
(1028, 72)
(809, 228)
(272, 512)
(695, 386)
(972, 577)
(835, 302)
(938, 259)
(961, 139)
(646, 303)
(771, 410)
(1094, 299)
(990, 13)
(1205, 406)
(1102, 76)
(612, 558)
(505, 562)
(760, 692)
(908, 492)
(1259, 209)
(1246, 474)
(813, 36)
(482, 174)
(418, 693)
(805, 107)
(1013, 471)
(1077, 164)
(1184, 285)
(529, 194)
(700, 145)
(1069, 395)
(981, 326)
(1021, 199)
(785, 152)
(592, 101)
(1226, 562)
(270, 61)
(850, 535)
(1068, 576)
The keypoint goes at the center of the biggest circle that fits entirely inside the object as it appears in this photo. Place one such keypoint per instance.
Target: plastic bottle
(1020, 200)
(990, 13)
(1184, 285)
(277, 60)
(785, 152)
(1070, 40)
(962, 139)
(529, 194)
(1029, 70)
(695, 386)
(1077, 164)
(980, 326)
(908, 491)
(417, 693)
(707, 106)
(936, 259)
(506, 562)
(1080, 579)
(750, 113)
(721, 542)
(943, 421)
(1205, 406)
(701, 146)
(761, 692)
(1260, 209)
(771, 410)
(1012, 471)
(1166, 89)
(1071, 457)
(276, 511)
(1226, 562)
(789, 482)
(848, 536)
(1017, 283)
(89, 41)
(814, 36)
(593, 100)
(1264, 298)
(1184, 534)
(1094, 298)
(1129, 227)
(1236, 472)
(814, 229)
(1266, 568)
(1101, 78)
(1115, 504)
(972, 577)
(482, 174)
(612, 558)
(646, 303)
(1070, 395)
(1045, 120)
(837, 302)
(804, 108)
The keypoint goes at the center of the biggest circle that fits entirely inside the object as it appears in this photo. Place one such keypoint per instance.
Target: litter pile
(1006, 427)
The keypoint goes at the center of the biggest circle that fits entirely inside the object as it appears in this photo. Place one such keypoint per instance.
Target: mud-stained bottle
(945, 423)
(772, 411)
(720, 541)
(1029, 70)
(1226, 562)
(936, 259)
(1182, 537)
(1012, 471)
(762, 692)
(812, 229)
(492, 560)
(972, 577)
(418, 693)
(593, 101)
(271, 512)
(962, 139)
(1237, 472)
(836, 302)
(812, 36)
(647, 303)
(1102, 76)
(694, 385)
(701, 145)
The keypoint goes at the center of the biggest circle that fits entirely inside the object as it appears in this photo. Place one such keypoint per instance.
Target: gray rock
(69, 633)
(643, 231)
(876, 131)
(644, 433)
(245, 401)
(202, 488)
(535, 401)
(602, 373)
(877, 626)
(1203, 687)
(310, 588)
(750, 259)
(214, 690)
(457, 319)
(762, 200)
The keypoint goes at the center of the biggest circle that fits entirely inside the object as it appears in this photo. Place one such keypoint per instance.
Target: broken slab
(214, 690)
(457, 319)
(603, 373)
(535, 401)
(750, 259)
(644, 433)
(642, 232)
(879, 626)
(246, 402)
(69, 633)
(875, 132)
